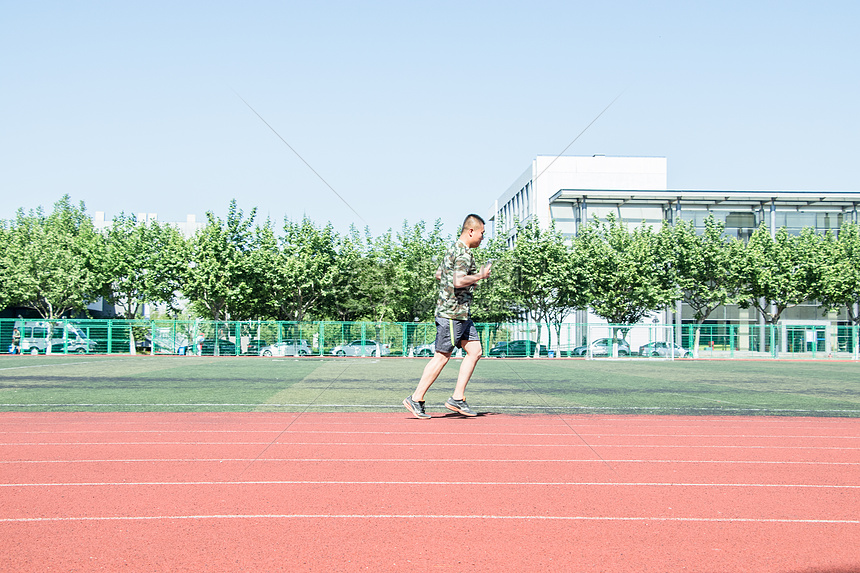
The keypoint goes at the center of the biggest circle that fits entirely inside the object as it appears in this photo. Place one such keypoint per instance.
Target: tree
(545, 283)
(145, 264)
(343, 301)
(495, 300)
(626, 274)
(780, 271)
(308, 269)
(221, 278)
(265, 275)
(704, 267)
(5, 265)
(380, 281)
(839, 282)
(55, 263)
(387, 278)
(417, 256)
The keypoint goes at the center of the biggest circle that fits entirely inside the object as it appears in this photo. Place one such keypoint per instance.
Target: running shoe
(460, 407)
(417, 408)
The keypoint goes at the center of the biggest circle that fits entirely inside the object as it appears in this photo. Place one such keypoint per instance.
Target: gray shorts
(451, 333)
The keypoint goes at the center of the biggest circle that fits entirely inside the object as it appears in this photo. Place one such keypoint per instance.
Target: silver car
(664, 349)
(424, 350)
(287, 348)
(361, 348)
(603, 347)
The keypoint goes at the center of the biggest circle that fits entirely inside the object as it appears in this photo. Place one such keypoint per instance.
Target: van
(47, 337)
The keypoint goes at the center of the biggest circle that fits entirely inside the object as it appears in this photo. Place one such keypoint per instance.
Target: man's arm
(463, 280)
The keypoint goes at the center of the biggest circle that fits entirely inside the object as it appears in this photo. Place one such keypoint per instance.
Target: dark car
(517, 348)
(255, 345)
(225, 348)
(603, 347)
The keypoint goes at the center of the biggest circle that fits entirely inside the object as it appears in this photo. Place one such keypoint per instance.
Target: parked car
(225, 348)
(144, 345)
(517, 348)
(603, 347)
(37, 335)
(664, 349)
(426, 350)
(287, 348)
(255, 345)
(361, 348)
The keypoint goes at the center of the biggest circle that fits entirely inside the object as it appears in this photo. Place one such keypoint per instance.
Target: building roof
(721, 198)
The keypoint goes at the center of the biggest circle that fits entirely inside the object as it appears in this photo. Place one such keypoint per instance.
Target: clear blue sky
(412, 111)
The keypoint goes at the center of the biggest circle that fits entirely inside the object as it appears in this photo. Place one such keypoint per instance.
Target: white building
(571, 190)
(187, 228)
(533, 192)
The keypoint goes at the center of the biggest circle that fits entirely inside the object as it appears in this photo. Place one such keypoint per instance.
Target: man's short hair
(470, 221)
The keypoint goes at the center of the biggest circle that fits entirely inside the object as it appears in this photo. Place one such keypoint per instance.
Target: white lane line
(47, 365)
(371, 418)
(620, 419)
(560, 434)
(429, 460)
(441, 444)
(430, 483)
(69, 444)
(488, 408)
(431, 516)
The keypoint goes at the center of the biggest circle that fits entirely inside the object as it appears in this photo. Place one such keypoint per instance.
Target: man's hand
(462, 280)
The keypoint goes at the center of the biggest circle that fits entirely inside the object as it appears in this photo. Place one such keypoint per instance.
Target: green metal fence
(787, 340)
(234, 338)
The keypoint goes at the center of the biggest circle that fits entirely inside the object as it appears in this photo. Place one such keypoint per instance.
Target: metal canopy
(840, 199)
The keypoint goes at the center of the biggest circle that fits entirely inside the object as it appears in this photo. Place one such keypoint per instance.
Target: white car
(427, 350)
(603, 347)
(664, 349)
(362, 348)
(287, 348)
(424, 350)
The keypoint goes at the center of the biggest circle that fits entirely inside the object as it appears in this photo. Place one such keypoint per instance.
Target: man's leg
(473, 354)
(431, 372)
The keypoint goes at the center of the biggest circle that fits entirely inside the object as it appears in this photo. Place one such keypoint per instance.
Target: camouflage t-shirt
(454, 302)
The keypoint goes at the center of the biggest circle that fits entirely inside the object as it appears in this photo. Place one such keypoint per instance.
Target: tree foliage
(55, 263)
(239, 269)
(839, 279)
(145, 263)
(495, 300)
(704, 267)
(779, 272)
(547, 283)
(308, 265)
(626, 274)
(221, 278)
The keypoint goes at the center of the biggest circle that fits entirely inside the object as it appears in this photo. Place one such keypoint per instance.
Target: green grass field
(193, 384)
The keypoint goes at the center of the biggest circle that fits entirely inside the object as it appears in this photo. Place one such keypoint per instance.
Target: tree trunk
(696, 339)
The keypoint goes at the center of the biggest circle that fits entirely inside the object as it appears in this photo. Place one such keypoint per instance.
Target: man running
(457, 278)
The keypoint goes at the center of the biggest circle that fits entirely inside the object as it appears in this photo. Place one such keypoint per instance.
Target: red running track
(387, 492)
